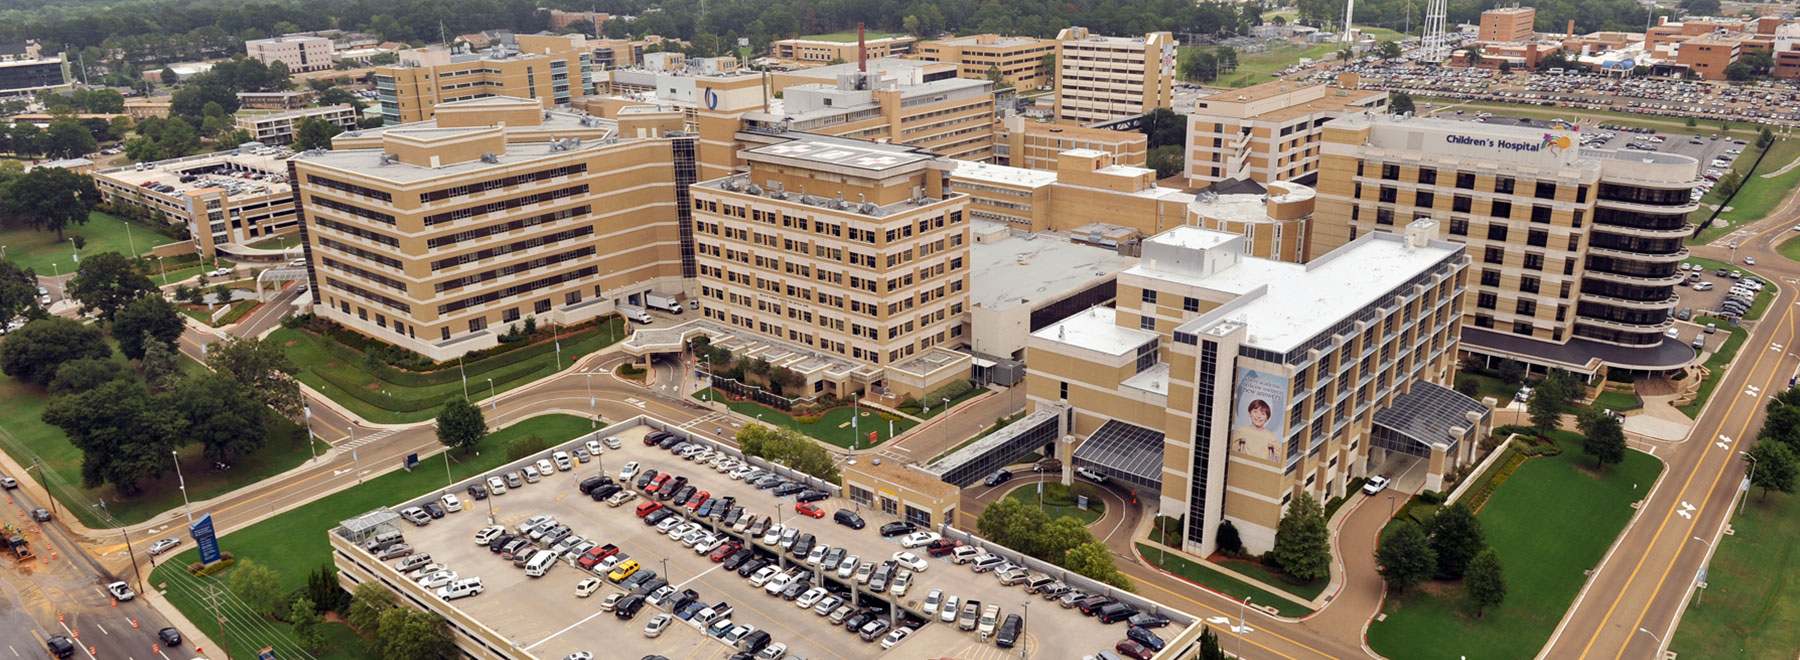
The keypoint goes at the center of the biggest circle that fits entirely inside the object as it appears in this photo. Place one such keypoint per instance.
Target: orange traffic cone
(134, 623)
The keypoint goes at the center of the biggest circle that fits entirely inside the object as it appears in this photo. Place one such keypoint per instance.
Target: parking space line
(572, 626)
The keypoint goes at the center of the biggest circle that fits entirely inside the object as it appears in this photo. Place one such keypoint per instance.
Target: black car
(897, 529)
(856, 621)
(645, 478)
(669, 441)
(754, 642)
(477, 492)
(737, 559)
(501, 541)
(589, 484)
(706, 508)
(657, 516)
(795, 588)
(1143, 636)
(682, 496)
(802, 545)
(849, 519)
(751, 565)
(60, 646)
(787, 489)
(605, 491)
(169, 636)
(434, 510)
(628, 607)
(1009, 632)
(771, 481)
(732, 515)
(1148, 620)
(682, 599)
(999, 476)
(811, 495)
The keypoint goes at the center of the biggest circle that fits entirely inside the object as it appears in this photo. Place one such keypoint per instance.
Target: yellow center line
(1705, 502)
(1670, 514)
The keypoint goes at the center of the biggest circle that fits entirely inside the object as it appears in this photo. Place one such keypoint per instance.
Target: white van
(636, 314)
(540, 564)
(460, 588)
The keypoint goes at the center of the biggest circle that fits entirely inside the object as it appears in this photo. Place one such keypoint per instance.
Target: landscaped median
(832, 426)
(358, 374)
(294, 544)
(1717, 363)
(1214, 580)
(1549, 522)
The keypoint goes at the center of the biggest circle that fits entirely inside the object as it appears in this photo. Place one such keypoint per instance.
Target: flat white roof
(1035, 269)
(1095, 330)
(1154, 380)
(1001, 174)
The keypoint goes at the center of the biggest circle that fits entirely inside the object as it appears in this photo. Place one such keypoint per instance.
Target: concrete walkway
(1349, 608)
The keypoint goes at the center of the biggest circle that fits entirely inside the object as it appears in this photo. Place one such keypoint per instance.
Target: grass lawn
(1059, 501)
(1544, 544)
(238, 310)
(1502, 391)
(1763, 298)
(833, 427)
(294, 543)
(281, 242)
(1790, 248)
(1757, 196)
(1618, 401)
(25, 436)
(1275, 579)
(849, 36)
(938, 407)
(1751, 605)
(1205, 576)
(39, 250)
(1716, 364)
(326, 363)
(1254, 68)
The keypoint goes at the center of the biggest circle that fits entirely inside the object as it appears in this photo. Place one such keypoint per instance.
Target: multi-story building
(552, 69)
(953, 117)
(284, 100)
(1709, 56)
(849, 250)
(1505, 24)
(831, 51)
(897, 70)
(1017, 62)
(279, 127)
(442, 236)
(692, 85)
(1576, 249)
(592, 20)
(224, 198)
(299, 53)
(1096, 200)
(1101, 78)
(24, 69)
(1222, 385)
(1036, 145)
(1268, 132)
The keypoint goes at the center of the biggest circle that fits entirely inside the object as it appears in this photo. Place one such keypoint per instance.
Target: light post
(1024, 625)
(593, 403)
(129, 241)
(448, 480)
(181, 482)
(311, 443)
(465, 377)
(1242, 607)
(493, 401)
(2, 252)
(1652, 636)
(1748, 479)
(161, 271)
(665, 573)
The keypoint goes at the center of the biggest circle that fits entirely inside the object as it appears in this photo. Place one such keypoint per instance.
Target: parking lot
(545, 616)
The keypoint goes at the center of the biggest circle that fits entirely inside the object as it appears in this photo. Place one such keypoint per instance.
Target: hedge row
(1508, 464)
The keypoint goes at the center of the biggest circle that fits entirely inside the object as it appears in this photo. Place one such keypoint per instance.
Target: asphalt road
(1633, 603)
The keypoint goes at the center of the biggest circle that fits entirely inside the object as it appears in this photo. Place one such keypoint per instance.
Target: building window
(1494, 255)
(1461, 203)
(1427, 176)
(1521, 328)
(1490, 278)
(541, 306)
(1465, 180)
(1526, 308)
(1546, 190)
(1190, 304)
(1534, 261)
(1390, 172)
(889, 506)
(1540, 214)
(1486, 300)
(1459, 227)
(1063, 393)
(1149, 295)
(1384, 216)
(1574, 242)
(1538, 238)
(1388, 195)
(1529, 284)
(1575, 219)
(1484, 321)
(1500, 209)
(1424, 199)
(1581, 193)
(1503, 185)
(1496, 232)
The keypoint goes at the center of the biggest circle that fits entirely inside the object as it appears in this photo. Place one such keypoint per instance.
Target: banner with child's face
(1258, 414)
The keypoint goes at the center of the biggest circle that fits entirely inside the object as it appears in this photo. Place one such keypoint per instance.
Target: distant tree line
(1552, 15)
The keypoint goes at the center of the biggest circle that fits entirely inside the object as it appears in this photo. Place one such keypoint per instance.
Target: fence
(754, 392)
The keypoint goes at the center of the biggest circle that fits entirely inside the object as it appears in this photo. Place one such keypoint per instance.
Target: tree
(262, 368)
(1764, 138)
(1209, 640)
(107, 282)
(1200, 66)
(18, 293)
(322, 588)
(1604, 438)
(1406, 557)
(1388, 50)
(1456, 538)
(1166, 160)
(366, 605)
(124, 434)
(303, 615)
(1064, 533)
(1091, 559)
(1400, 103)
(168, 76)
(1485, 582)
(1775, 467)
(1302, 543)
(1226, 57)
(159, 365)
(149, 318)
(1228, 540)
(256, 585)
(77, 376)
(67, 138)
(788, 447)
(1700, 7)
(34, 352)
(1164, 127)
(1012, 523)
(223, 416)
(1546, 406)
(409, 634)
(314, 133)
(49, 198)
(460, 425)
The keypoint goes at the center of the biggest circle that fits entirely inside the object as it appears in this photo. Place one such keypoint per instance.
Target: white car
(737, 634)
(894, 638)
(628, 472)
(1375, 485)
(739, 472)
(593, 447)
(586, 587)
(563, 464)
(932, 599)
(1750, 261)
(611, 601)
(121, 591)
(496, 485)
(488, 534)
(164, 545)
(778, 583)
(947, 613)
(545, 467)
(613, 442)
(219, 272)
(847, 567)
(919, 539)
(763, 575)
(910, 560)
(437, 579)
(772, 535)
(817, 555)
(708, 545)
(451, 502)
(810, 598)
(657, 625)
(901, 582)
(775, 651)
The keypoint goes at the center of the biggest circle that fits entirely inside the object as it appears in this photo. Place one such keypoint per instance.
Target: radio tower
(1349, 14)
(1434, 47)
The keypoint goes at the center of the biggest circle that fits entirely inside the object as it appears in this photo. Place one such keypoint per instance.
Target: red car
(724, 551)
(597, 554)
(807, 509)
(697, 500)
(658, 483)
(1132, 649)
(942, 547)
(648, 507)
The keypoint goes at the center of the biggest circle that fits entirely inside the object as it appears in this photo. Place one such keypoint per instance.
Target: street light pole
(1242, 607)
(493, 401)
(1024, 625)
(311, 441)
(182, 483)
(1748, 479)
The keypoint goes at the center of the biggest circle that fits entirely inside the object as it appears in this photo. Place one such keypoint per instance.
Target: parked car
(1374, 485)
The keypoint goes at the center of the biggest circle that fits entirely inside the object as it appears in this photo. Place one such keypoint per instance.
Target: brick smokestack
(862, 51)
(1571, 31)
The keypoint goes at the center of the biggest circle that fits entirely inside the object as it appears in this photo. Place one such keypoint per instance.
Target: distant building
(560, 19)
(279, 127)
(299, 53)
(25, 69)
(238, 196)
(1033, 144)
(1502, 24)
(953, 117)
(1018, 61)
(288, 100)
(827, 51)
(1102, 78)
(145, 108)
(1268, 132)
(553, 69)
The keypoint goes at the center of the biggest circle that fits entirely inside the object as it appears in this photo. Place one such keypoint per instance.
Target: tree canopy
(34, 352)
(148, 318)
(107, 282)
(49, 198)
(1406, 556)
(460, 425)
(261, 368)
(1302, 543)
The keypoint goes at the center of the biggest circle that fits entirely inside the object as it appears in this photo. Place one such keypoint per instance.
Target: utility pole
(212, 597)
(132, 555)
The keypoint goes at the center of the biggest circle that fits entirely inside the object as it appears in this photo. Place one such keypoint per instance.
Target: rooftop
(1003, 175)
(372, 162)
(991, 40)
(1096, 330)
(240, 172)
(1034, 269)
(871, 157)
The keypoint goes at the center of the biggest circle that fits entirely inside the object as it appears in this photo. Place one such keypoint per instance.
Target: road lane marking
(102, 628)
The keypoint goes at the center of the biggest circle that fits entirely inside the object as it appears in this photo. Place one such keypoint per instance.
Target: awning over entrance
(1126, 452)
(999, 449)
(1579, 354)
(1428, 415)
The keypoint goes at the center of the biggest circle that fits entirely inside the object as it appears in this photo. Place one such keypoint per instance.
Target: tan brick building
(1100, 78)
(828, 51)
(1222, 385)
(299, 53)
(227, 197)
(1505, 24)
(953, 117)
(1018, 61)
(1267, 132)
(553, 69)
(1035, 144)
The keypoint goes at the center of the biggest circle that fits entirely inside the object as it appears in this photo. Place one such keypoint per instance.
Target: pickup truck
(596, 555)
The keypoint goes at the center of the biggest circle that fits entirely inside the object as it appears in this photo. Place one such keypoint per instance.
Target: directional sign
(202, 532)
